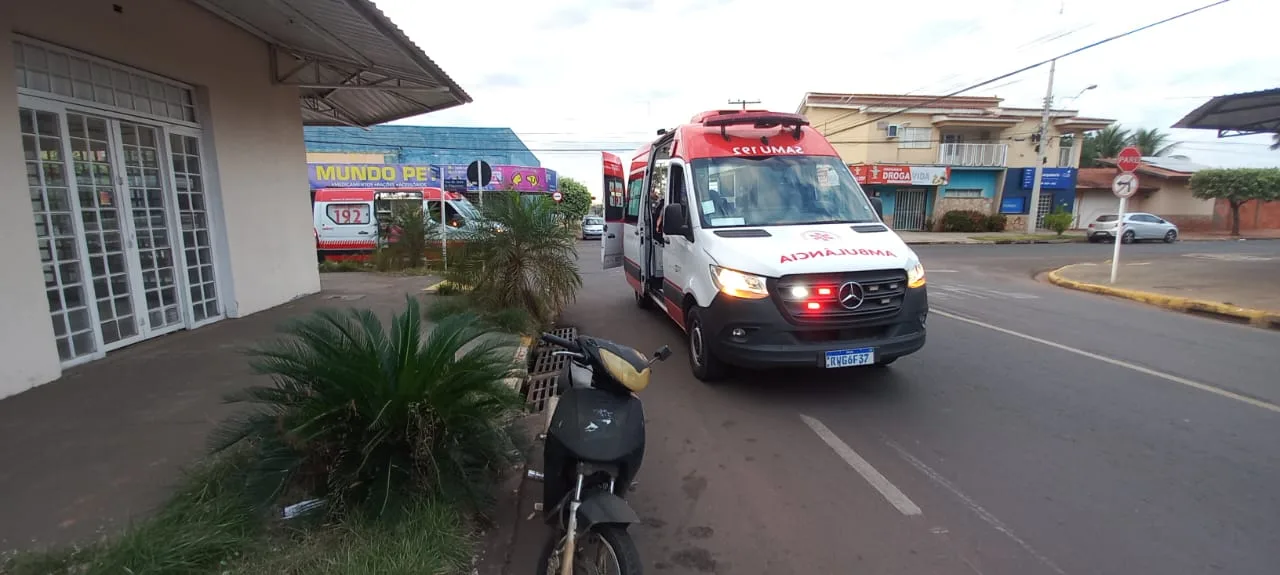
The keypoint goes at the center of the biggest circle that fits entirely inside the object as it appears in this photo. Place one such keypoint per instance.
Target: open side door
(615, 207)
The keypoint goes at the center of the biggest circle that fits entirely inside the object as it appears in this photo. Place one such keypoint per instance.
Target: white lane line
(890, 492)
(1138, 368)
(985, 515)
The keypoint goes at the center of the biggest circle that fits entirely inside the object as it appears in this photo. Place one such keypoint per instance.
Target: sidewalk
(105, 443)
(1226, 236)
(932, 238)
(1233, 286)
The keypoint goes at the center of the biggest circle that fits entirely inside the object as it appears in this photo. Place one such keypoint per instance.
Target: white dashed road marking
(890, 492)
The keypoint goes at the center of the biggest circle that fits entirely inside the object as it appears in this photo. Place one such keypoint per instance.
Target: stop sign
(1129, 159)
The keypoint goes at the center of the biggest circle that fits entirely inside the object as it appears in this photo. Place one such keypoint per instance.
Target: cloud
(502, 80)
(607, 73)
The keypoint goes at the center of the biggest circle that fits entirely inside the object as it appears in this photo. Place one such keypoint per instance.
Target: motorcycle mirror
(663, 353)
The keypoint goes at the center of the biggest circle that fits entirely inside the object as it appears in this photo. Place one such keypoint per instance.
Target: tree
(1105, 143)
(575, 201)
(1237, 186)
(1152, 142)
(527, 261)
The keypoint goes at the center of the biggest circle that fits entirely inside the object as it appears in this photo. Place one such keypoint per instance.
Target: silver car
(1138, 226)
(592, 227)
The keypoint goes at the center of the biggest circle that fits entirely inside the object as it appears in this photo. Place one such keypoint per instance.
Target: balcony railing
(974, 155)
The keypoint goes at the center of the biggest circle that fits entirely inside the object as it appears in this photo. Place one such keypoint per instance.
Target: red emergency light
(756, 119)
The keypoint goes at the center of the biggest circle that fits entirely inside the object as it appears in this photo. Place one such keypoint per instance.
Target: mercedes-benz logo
(850, 295)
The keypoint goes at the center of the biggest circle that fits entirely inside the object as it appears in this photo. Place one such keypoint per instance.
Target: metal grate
(540, 387)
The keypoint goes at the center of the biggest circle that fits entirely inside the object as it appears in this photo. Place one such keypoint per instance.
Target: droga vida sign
(894, 175)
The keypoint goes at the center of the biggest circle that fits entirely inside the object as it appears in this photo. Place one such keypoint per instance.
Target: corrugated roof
(1246, 113)
(426, 144)
(351, 64)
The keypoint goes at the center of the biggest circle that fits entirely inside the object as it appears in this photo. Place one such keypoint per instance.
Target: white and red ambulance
(347, 220)
(747, 229)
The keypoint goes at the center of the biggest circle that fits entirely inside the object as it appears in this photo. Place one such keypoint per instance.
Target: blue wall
(425, 144)
(984, 180)
(1064, 199)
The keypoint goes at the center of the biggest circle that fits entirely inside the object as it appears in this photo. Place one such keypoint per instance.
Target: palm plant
(524, 259)
(1105, 143)
(1152, 142)
(365, 416)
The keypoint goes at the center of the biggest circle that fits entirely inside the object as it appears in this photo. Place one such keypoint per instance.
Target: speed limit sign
(557, 196)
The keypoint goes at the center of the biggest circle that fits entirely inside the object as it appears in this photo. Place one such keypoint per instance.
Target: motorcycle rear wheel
(612, 539)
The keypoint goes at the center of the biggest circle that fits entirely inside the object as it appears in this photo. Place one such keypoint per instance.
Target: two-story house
(935, 155)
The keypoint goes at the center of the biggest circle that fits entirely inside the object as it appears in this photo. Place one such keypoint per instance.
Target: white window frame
(99, 107)
(915, 138)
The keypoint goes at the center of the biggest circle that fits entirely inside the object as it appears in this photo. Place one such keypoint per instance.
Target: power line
(623, 147)
(1027, 68)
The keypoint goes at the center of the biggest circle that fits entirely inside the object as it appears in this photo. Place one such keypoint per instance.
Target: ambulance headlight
(915, 273)
(738, 284)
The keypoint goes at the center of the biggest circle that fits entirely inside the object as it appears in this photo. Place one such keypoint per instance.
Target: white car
(1138, 226)
(592, 227)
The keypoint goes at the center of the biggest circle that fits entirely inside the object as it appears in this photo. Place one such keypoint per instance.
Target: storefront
(1057, 190)
(907, 193)
(151, 178)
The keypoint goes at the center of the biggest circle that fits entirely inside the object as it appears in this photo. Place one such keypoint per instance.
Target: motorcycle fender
(604, 508)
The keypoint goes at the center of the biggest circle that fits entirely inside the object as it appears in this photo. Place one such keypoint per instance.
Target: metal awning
(1237, 114)
(352, 66)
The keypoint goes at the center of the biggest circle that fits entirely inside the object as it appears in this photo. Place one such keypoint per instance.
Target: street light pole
(1033, 209)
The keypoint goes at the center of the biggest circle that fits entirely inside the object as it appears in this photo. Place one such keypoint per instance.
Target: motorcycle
(592, 451)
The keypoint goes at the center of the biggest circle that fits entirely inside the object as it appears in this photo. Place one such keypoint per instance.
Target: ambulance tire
(702, 361)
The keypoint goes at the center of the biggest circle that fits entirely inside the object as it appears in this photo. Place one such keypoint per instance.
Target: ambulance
(347, 220)
(749, 232)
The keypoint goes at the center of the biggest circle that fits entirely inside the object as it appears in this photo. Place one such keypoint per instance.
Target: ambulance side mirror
(673, 221)
(878, 206)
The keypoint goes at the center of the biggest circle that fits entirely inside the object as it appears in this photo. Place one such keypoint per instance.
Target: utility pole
(744, 103)
(1033, 207)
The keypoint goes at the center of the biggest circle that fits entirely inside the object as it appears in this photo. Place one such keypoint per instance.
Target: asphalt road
(1040, 431)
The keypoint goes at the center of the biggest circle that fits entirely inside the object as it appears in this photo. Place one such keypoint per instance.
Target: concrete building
(152, 167)
(937, 154)
(1164, 190)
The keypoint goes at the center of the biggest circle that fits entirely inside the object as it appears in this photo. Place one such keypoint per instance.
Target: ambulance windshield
(777, 191)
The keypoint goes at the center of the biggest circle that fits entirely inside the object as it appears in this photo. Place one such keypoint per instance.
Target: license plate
(851, 357)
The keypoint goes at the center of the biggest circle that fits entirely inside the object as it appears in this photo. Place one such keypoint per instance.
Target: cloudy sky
(605, 74)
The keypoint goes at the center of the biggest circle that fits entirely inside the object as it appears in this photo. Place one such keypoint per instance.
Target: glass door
(157, 272)
(105, 231)
(60, 249)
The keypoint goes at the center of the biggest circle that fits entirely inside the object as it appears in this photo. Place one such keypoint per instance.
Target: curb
(988, 243)
(521, 360)
(1255, 317)
(435, 287)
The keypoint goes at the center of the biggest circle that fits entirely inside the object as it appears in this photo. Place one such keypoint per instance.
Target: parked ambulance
(347, 220)
(747, 229)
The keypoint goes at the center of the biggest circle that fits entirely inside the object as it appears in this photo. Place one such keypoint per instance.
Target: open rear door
(615, 207)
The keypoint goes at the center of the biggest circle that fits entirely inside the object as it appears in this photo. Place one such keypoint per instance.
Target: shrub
(526, 260)
(509, 320)
(365, 416)
(402, 239)
(996, 223)
(1059, 221)
(964, 221)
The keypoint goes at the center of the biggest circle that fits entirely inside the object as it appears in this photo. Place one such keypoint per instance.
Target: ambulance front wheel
(702, 360)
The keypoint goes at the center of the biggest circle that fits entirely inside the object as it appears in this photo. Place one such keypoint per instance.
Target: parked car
(592, 227)
(1138, 226)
